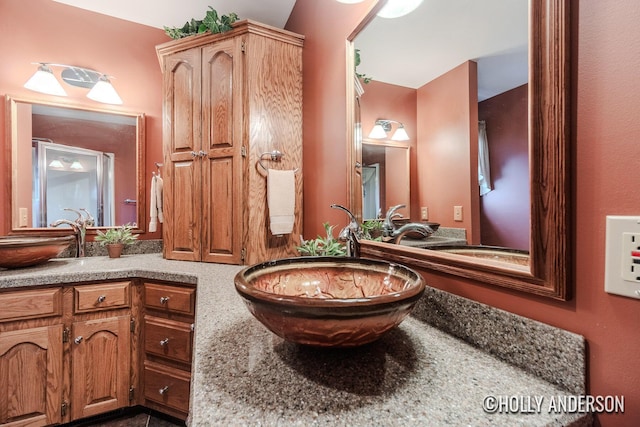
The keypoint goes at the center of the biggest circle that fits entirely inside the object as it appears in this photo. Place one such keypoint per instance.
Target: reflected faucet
(392, 234)
(350, 234)
(79, 227)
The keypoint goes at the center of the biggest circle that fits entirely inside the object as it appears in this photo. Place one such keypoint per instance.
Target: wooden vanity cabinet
(229, 98)
(31, 357)
(169, 312)
(66, 352)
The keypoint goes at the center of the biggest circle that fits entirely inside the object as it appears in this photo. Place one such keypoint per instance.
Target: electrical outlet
(424, 213)
(457, 213)
(23, 217)
(622, 257)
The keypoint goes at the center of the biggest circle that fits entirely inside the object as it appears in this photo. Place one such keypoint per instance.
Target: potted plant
(322, 246)
(116, 238)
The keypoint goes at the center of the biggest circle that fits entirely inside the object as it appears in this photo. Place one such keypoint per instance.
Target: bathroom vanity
(436, 368)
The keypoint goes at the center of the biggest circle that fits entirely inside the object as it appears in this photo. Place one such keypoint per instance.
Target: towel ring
(274, 156)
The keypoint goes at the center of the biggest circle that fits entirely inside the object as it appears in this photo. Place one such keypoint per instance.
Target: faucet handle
(391, 213)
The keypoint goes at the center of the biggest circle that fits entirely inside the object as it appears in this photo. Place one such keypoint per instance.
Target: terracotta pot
(115, 250)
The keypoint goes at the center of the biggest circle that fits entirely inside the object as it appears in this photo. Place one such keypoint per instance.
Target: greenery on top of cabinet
(212, 22)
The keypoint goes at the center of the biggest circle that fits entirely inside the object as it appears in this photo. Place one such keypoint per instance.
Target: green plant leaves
(323, 246)
(212, 22)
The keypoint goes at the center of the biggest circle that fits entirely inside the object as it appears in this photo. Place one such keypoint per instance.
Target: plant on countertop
(212, 22)
(322, 246)
(122, 235)
(372, 230)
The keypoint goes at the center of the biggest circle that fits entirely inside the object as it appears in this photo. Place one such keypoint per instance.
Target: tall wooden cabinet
(229, 98)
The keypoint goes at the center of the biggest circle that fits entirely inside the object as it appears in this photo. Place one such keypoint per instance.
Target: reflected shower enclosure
(71, 177)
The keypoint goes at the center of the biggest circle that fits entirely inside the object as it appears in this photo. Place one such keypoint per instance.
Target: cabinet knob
(164, 342)
(164, 300)
(164, 389)
(202, 153)
(101, 298)
(193, 154)
(78, 339)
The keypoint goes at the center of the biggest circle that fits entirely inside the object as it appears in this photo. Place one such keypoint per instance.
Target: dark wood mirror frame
(11, 174)
(549, 140)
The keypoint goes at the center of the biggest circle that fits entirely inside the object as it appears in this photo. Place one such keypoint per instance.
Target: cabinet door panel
(222, 137)
(182, 161)
(101, 365)
(31, 376)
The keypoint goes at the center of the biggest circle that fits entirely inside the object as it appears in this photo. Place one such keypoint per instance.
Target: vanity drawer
(168, 338)
(103, 296)
(34, 303)
(170, 298)
(167, 386)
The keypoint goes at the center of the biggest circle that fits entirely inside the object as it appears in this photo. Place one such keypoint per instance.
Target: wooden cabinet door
(31, 376)
(222, 175)
(101, 363)
(182, 206)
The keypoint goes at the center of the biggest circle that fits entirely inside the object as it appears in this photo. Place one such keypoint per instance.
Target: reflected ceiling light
(398, 8)
(101, 88)
(56, 164)
(382, 126)
(76, 165)
(44, 81)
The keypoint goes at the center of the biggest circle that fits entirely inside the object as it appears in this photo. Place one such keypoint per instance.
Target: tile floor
(131, 420)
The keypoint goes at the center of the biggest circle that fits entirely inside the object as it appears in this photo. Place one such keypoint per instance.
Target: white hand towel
(158, 196)
(153, 210)
(281, 198)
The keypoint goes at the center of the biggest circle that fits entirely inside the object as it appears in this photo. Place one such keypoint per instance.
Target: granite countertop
(415, 375)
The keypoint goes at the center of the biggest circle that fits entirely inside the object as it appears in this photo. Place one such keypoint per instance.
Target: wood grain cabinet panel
(29, 304)
(170, 298)
(167, 386)
(34, 354)
(103, 296)
(168, 338)
(228, 99)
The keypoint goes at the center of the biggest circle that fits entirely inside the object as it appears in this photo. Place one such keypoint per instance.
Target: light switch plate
(457, 213)
(622, 257)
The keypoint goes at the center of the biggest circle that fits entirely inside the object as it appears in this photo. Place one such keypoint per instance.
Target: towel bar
(274, 156)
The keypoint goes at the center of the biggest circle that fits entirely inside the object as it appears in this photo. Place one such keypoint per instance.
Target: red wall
(505, 212)
(387, 101)
(447, 111)
(606, 106)
(50, 31)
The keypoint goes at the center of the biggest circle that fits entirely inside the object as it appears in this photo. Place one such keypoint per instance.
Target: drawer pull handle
(164, 300)
(164, 342)
(164, 390)
(78, 339)
(101, 298)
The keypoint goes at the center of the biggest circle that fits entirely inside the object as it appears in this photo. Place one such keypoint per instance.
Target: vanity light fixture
(382, 126)
(76, 165)
(44, 81)
(56, 164)
(398, 8)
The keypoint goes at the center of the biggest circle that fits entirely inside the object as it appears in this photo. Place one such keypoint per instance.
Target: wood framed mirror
(547, 272)
(69, 156)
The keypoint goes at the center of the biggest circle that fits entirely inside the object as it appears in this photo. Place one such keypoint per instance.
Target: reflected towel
(281, 199)
(155, 207)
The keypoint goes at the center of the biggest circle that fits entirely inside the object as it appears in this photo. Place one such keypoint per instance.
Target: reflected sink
(495, 253)
(26, 251)
(329, 301)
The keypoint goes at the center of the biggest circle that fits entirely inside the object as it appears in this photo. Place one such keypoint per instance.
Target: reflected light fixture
(76, 165)
(398, 8)
(382, 126)
(101, 88)
(56, 164)
(44, 81)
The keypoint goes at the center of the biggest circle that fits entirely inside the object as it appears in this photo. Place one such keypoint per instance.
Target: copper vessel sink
(25, 251)
(329, 301)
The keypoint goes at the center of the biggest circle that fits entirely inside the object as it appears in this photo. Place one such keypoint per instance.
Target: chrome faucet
(392, 234)
(351, 234)
(79, 227)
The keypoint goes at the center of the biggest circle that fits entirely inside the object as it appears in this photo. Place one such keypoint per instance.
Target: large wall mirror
(73, 157)
(454, 106)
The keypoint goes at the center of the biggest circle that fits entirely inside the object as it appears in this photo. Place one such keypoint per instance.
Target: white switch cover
(622, 257)
(457, 213)
(424, 213)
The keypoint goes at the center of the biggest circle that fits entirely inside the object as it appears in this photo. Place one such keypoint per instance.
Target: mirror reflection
(456, 74)
(67, 157)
